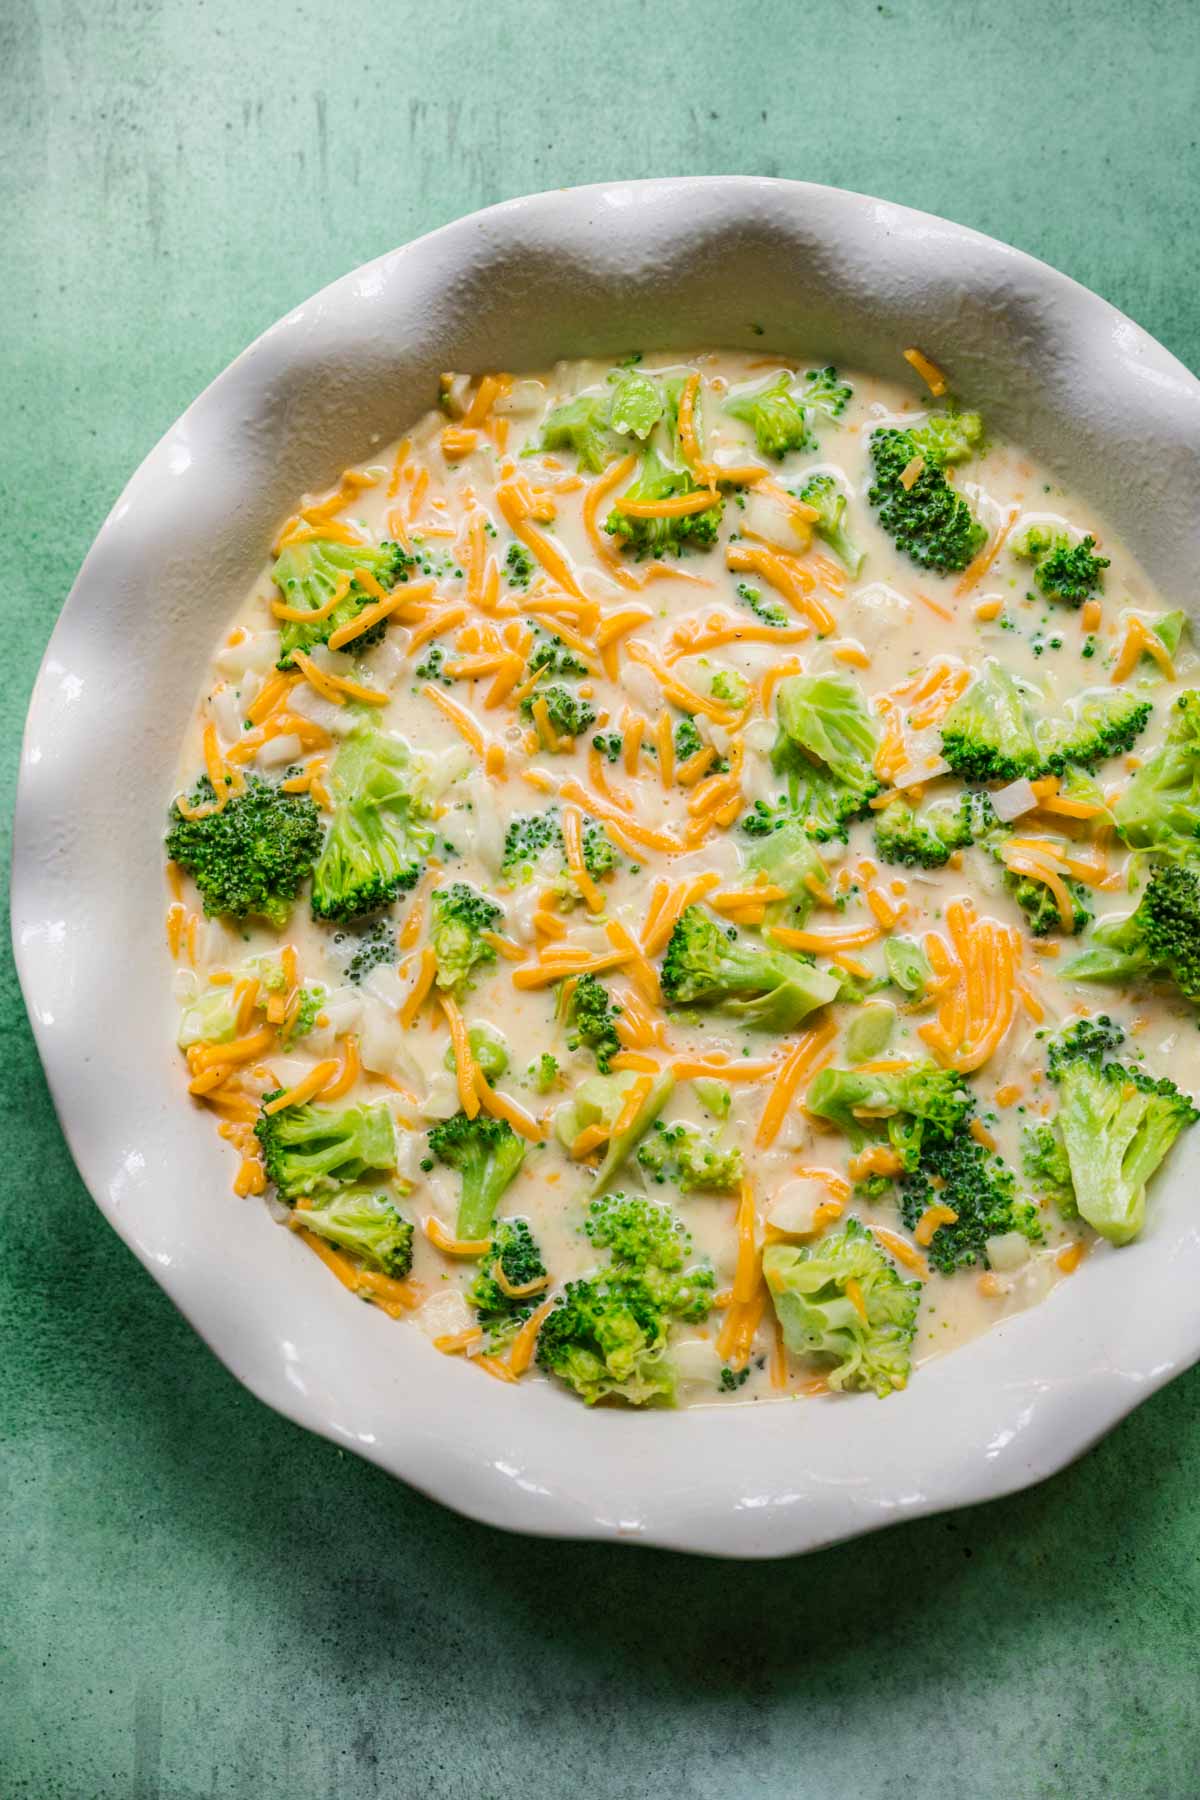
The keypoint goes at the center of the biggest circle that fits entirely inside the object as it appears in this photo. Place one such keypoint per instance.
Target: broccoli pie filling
(683, 879)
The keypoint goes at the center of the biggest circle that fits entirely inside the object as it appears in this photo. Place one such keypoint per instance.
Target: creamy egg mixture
(674, 657)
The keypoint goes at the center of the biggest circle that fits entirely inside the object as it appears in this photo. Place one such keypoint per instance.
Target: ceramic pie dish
(734, 262)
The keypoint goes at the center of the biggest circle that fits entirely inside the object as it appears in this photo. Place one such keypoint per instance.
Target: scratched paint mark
(147, 1740)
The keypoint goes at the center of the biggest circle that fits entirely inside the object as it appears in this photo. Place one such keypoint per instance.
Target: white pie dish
(734, 261)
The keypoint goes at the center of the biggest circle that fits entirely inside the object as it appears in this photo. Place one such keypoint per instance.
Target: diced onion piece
(441, 1102)
(1010, 802)
(257, 650)
(445, 1314)
(916, 773)
(794, 1206)
(279, 751)
(523, 399)
(228, 712)
(769, 518)
(696, 1360)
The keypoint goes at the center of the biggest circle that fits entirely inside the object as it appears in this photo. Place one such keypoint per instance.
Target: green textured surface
(197, 1599)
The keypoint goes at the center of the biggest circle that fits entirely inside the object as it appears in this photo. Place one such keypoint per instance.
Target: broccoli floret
(308, 1007)
(1066, 572)
(581, 425)
(688, 741)
(731, 688)
(376, 948)
(1040, 907)
(1158, 941)
(308, 576)
(513, 1254)
(609, 744)
(487, 1153)
(601, 1100)
(987, 734)
(907, 965)
(317, 1149)
(527, 839)
(488, 1047)
(692, 1159)
(788, 858)
(637, 405)
(645, 1239)
(1117, 1125)
(823, 493)
(926, 839)
(369, 1226)
(767, 990)
(544, 1073)
(591, 1020)
(928, 521)
(607, 1338)
(959, 1173)
(552, 655)
(208, 1018)
(1048, 1168)
(825, 746)
(842, 1301)
(567, 714)
(518, 566)
(766, 817)
(249, 858)
(1091, 1040)
(661, 536)
(908, 1107)
(949, 437)
(1101, 724)
(769, 611)
(1160, 807)
(378, 838)
(460, 914)
(533, 846)
(776, 415)
(826, 392)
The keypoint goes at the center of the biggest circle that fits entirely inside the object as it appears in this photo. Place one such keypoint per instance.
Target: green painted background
(197, 1599)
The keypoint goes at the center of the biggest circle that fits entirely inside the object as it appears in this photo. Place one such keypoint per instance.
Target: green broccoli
(1158, 941)
(771, 612)
(949, 437)
(488, 1154)
(249, 858)
(707, 964)
(1066, 572)
(842, 1301)
(663, 536)
(369, 1226)
(690, 1158)
(308, 575)
(825, 746)
(581, 425)
(376, 947)
(518, 566)
(907, 966)
(311, 1149)
(788, 858)
(823, 493)
(1040, 907)
(987, 735)
(907, 1107)
(544, 1073)
(929, 838)
(1047, 1167)
(606, 1338)
(514, 1255)
(637, 405)
(591, 1020)
(1102, 723)
(533, 846)
(776, 415)
(825, 392)
(551, 655)
(209, 1017)
(460, 914)
(1117, 1125)
(1160, 807)
(932, 524)
(488, 1047)
(569, 716)
(600, 1100)
(646, 1240)
(731, 688)
(958, 1172)
(378, 838)
(688, 741)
